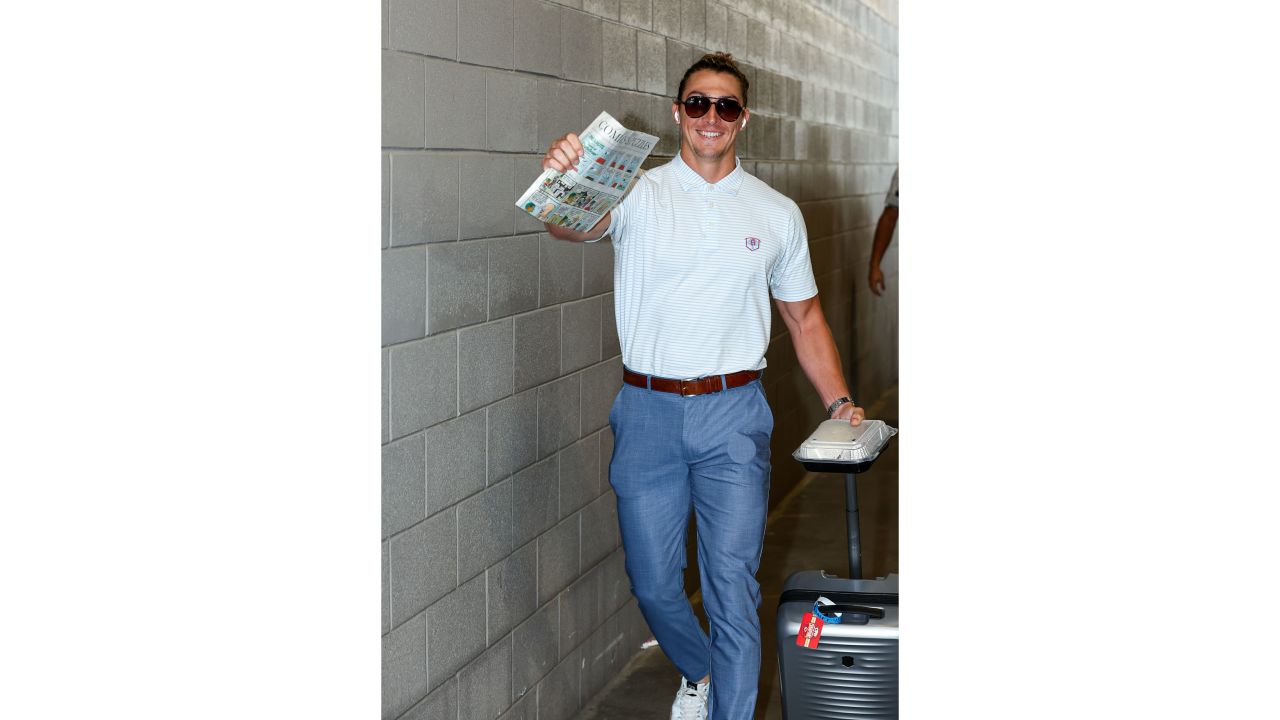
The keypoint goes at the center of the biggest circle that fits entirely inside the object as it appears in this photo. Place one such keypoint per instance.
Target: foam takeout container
(838, 447)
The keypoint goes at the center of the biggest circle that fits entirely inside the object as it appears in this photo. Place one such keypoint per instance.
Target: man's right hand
(563, 155)
(876, 279)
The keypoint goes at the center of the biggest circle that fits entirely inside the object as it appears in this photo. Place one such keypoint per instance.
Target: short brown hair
(719, 62)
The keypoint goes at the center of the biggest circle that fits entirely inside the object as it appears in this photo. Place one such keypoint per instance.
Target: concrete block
(619, 47)
(537, 348)
(426, 27)
(579, 612)
(579, 474)
(717, 27)
(600, 535)
(404, 294)
(455, 460)
(403, 100)
(404, 483)
(513, 435)
(534, 649)
(636, 115)
(424, 198)
(386, 395)
(455, 114)
(486, 213)
(457, 285)
(651, 64)
(591, 673)
(486, 32)
(736, 34)
(666, 17)
(512, 590)
(559, 271)
(636, 13)
(668, 131)
(424, 565)
(762, 92)
(693, 22)
(440, 704)
(513, 275)
(598, 99)
(559, 414)
(603, 8)
(484, 530)
(597, 267)
(558, 693)
(404, 667)
(600, 385)
(386, 200)
(559, 112)
(455, 631)
(536, 504)
(509, 98)
(558, 550)
(610, 345)
(386, 588)
(526, 708)
(580, 335)
(606, 455)
(484, 686)
(424, 383)
(537, 29)
(615, 586)
(610, 656)
(679, 58)
(581, 50)
(485, 364)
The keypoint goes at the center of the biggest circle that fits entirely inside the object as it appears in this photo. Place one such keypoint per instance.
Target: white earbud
(744, 123)
(677, 117)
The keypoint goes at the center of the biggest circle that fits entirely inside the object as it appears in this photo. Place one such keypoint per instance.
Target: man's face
(710, 137)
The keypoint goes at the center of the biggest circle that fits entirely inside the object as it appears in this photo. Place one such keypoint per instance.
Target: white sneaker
(691, 701)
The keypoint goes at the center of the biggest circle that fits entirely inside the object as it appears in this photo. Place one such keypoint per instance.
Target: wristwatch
(835, 404)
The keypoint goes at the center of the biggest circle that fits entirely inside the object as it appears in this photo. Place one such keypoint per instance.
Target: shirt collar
(691, 180)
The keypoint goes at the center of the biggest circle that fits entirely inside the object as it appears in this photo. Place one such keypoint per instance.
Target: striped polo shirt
(694, 266)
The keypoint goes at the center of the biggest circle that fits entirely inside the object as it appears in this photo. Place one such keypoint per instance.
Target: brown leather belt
(700, 386)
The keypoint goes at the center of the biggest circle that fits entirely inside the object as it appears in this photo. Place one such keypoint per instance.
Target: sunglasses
(695, 106)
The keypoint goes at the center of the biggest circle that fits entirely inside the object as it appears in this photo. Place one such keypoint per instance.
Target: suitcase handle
(861, 613)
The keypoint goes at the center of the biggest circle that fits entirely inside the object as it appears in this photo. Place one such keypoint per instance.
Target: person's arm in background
(562, 156)
(884, 235)
(816, 351)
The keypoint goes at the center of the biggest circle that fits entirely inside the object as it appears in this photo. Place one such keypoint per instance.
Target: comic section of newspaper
(577, 199)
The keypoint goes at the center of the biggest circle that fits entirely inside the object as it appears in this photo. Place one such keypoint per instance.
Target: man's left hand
(850, 412)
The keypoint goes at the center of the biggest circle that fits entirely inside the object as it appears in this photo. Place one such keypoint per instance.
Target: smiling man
(700, 246)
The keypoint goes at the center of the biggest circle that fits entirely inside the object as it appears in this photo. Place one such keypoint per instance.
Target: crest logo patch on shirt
(753, 243)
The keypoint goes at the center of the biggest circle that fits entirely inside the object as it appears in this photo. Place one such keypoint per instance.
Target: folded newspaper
(577, 199)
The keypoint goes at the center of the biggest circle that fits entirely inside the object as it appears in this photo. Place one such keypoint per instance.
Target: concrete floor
(804, 532)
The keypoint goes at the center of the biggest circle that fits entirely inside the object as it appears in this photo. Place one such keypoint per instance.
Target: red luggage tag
(810, 631)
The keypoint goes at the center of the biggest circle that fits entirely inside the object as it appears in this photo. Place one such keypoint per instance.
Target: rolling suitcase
(838, 637)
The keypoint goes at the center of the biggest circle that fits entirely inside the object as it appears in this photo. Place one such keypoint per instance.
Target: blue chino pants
(709, 454)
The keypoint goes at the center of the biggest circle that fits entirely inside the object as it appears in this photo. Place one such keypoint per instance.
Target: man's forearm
(816, 350)
(884, 235)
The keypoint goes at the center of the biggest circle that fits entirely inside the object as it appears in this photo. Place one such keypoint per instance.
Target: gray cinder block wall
(504, 593)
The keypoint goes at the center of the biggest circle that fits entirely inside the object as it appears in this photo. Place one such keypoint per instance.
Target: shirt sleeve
(891, 200)
(792, 276)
